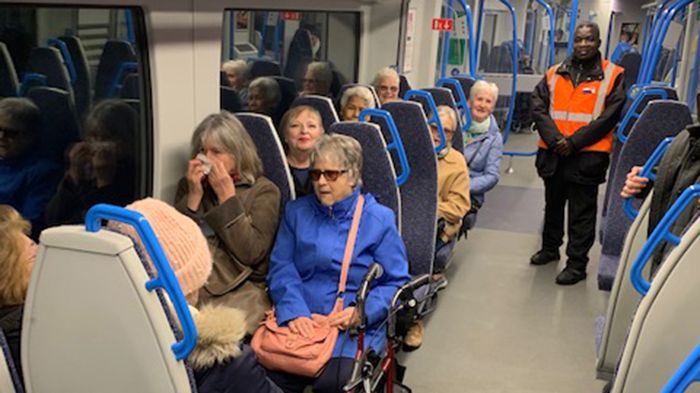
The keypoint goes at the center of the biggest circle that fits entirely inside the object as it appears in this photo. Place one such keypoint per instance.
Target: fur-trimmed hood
(220, 330)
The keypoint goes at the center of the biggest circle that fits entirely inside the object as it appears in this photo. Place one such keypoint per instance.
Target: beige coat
(453, 192)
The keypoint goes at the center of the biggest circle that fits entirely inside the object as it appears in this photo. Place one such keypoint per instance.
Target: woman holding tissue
(236, 208)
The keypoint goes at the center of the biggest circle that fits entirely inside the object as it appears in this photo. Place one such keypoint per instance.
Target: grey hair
(449, 112)
(238, 67)
(324, 74)
(225, 130)
(357, 91)
(268, 88)
(22, 112)
(385, 72)
(482, 86)
(344, 150)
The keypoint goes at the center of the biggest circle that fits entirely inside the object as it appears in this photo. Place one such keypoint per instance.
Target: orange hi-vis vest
(574, 107)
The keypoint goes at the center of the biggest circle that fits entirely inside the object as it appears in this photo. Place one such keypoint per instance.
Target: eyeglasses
(330, 175)
(384, 88)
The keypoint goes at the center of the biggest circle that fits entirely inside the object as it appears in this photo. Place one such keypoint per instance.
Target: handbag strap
(349, 248)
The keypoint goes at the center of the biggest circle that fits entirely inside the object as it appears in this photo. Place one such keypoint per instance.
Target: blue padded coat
(484, 157)
(307, 257)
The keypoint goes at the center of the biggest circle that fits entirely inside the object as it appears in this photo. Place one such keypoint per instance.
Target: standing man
(575, 108)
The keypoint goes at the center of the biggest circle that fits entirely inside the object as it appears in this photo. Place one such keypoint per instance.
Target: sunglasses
(330, 175)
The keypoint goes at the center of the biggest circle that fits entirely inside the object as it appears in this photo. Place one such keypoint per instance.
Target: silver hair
(225, 130)
(238, 67)
(385, 72)
(341, 149)
(449, 112)
(268, 88)
(483, 86)
(323, 73)
(357, 91)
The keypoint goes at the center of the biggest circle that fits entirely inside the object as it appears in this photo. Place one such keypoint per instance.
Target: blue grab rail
(29, 80)
(552, 22)
(462, 102)
(661, 233)
(647, 172)
(130, 32)
(446, 43)
(117, 83)
(470, 39)
(632, 114)
(572, 26)
(434, 116)
(166, 278)
(67, 58)
(686, 375)
(514, 57)
(396, 142)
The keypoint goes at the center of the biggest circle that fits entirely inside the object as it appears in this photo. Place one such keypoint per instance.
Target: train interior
(500, 325)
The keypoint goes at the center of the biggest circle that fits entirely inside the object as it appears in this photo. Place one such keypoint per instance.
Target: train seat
(9, 83)
(466, 82)
(660, 119)
(443, 96)
(611, 330)
(269, 146)
(404, 85)
(378, 175)
(666, 322)
(114, 54)
(349, 85)
(82, 85)
(131, 87)
(289, 93)
(323, 105)
(9, 378)
(88, 309)
(418, 224)
(61, 127)
(258, 68)
(631, 62)
(49, 62)
(230, 100)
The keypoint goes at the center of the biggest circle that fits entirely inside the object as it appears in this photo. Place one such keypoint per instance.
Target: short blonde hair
(292, 114)
(482, 86)
(225, 130)
(357, 91)
(14, 272)
(344, 150)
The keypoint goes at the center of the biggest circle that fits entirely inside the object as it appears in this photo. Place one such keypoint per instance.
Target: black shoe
(543, 257)
(570, 276)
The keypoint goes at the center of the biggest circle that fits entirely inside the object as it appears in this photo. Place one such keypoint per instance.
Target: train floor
(502, 325)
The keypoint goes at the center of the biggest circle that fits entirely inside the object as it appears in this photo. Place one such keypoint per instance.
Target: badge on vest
(589, 90)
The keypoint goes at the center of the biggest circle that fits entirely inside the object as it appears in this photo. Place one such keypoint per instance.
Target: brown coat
(240, 232)
(453, 192)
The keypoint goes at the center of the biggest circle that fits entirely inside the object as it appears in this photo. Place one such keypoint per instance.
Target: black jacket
(581, 167)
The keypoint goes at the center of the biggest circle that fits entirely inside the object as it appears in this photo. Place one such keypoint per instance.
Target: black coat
(581, 167)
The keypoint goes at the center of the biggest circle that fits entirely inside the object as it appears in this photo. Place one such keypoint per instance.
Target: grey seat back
(631, 62)
(467, 82)
(323, 105)
(114, 54)
(289, 93)
(59, 119)
(9, 83)
(131, 87)
(419, 193)
(660, 119)
(10, 381)
(404, 85)
(667, 322)
(258, 68)
(229, 99)
(82, 85)
(88, 311)
(271, 152)
(350, 85)
(49, 62)
(443, 96)
(623, 300)
(378, 175)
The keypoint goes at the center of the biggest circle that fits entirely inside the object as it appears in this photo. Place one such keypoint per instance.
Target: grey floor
(503, 325)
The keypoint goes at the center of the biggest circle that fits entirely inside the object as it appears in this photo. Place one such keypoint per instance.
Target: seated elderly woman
(317, 79)
(236, 208)
(301, 127)
(237, 76)
(264, 96)
(484, 144)
(386, 83)
(304, 274)
(353, 101)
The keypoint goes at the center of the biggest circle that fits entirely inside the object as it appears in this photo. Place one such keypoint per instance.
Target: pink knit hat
(183, 243)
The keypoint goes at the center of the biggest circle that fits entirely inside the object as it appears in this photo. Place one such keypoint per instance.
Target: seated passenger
(301, 127)
(306, 260)
(17, 253)
(353, 101)
(484, 144)
(386, 83)
(317, 79)
(237, 209)
(237, 75)
(27, 181)
(264, 96)
(101, 168)
(221, 363)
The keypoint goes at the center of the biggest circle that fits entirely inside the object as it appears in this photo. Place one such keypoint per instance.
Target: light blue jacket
(306, 261)
(484, 164)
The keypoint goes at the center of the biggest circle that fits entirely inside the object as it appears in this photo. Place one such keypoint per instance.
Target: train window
(284, 43)
(75, 119)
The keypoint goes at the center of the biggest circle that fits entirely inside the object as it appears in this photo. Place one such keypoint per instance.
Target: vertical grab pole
(572, 26)
(479, 26)
(446, 43)
(515, 56)
(550, 14)
(655, 48)
(470, 33)
(231, 32)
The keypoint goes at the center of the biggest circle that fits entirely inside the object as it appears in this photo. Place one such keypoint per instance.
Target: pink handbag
(277, 348)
